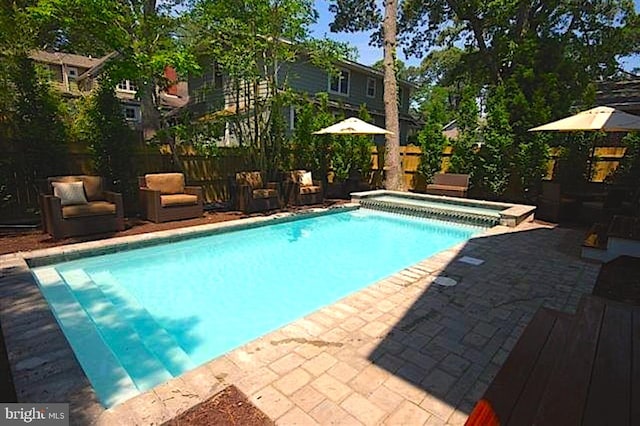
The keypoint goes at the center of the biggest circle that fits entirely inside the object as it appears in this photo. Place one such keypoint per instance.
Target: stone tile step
(145, 369)
(111, 381)
(155, 337)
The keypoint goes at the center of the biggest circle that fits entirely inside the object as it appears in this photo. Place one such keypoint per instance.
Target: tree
(431, 139)
(103, 128)
(356, 15)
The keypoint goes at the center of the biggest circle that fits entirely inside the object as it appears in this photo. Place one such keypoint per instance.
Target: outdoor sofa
(452, 184)
(165, 197)
(250, 193)
(301, 189)
(79, 205)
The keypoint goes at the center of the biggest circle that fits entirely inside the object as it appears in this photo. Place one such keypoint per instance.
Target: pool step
(144, 368)
(105, 372)
(154, 336)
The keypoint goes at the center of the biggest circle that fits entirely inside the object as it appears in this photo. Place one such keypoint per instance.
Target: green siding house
(355, 85)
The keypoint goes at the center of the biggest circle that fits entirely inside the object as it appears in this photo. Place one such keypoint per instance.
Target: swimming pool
(137, 318)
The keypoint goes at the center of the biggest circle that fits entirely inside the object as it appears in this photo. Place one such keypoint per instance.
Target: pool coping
(178, 394)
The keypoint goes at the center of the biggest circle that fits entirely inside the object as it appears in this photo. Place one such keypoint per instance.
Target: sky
(370, 54)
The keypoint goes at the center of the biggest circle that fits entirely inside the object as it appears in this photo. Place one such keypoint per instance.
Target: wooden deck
(581, 369)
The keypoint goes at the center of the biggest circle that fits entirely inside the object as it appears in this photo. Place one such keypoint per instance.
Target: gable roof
(60, 58)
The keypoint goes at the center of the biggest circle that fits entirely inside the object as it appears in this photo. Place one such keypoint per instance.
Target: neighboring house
(356, 84)
(623, 95)
(76, 75)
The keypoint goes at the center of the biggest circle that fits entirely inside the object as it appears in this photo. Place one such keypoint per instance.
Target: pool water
(137, 318)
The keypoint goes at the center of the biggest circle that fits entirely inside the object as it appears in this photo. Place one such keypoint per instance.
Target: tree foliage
(431, 139)
(526, 63)
(103, 128)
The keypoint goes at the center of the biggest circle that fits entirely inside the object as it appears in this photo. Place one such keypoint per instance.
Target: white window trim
(127, 90)
(375, 83)
(292, 118)
(338, 91)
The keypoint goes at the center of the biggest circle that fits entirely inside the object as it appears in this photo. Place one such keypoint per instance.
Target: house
(76, 75)
(623, 95)
(354, 85)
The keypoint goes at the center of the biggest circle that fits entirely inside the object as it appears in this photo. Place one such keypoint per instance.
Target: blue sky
(369, 54)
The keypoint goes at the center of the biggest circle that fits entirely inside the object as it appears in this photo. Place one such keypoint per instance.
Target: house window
(340, 83)
(72, 72)
(127, 86)
(130, 114)
(292, 118)
(217, 77)
(371, 87)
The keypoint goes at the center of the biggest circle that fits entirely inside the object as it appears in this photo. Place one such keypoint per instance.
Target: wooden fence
(605, 161)
(211, 173)
(208, 172)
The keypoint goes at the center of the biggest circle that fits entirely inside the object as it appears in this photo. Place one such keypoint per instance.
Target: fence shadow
(451, 341)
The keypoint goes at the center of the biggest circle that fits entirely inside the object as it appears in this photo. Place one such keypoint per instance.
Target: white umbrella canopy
(353, 126)
(600, 118)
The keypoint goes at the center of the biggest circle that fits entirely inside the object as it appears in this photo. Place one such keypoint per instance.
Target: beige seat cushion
(253, 179)
(94, 208)
(178, 200)
(70, 193)
(166, 183)
(264, 193)
(309, 189)
(446, 187)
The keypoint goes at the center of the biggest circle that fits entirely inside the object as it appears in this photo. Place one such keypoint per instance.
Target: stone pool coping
(281, 372)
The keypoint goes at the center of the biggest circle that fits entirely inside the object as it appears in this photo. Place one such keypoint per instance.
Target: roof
(624, 95)
(64, 58)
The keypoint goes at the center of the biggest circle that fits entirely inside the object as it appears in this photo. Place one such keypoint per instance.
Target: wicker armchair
(78, 205)
(301, 189)
(252, 194)
(164, 197)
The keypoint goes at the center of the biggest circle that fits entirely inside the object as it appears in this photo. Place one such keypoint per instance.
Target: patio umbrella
(353, 126)
(600, 118)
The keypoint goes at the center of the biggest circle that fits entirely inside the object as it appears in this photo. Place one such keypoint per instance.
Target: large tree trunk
(394, 179)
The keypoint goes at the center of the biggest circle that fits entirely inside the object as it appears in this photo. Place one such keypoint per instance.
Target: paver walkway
(402, 351)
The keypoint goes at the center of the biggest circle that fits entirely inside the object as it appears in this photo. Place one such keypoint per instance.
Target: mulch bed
(227, 407)
(619, 280)
(14, 240)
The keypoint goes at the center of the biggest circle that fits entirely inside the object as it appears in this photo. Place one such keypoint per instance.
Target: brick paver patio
(401, 351)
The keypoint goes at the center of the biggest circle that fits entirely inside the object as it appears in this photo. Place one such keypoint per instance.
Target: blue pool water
(137, 318)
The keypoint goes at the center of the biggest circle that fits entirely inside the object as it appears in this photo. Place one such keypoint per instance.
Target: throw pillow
(70, 193)
(306, 180)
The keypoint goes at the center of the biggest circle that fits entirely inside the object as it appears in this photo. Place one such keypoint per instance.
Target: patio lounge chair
(301, 189)
(164, 197)
(251, 194)
(452, 184)
(79, 205)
